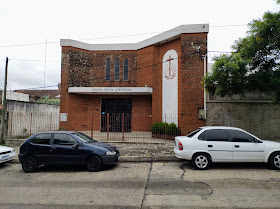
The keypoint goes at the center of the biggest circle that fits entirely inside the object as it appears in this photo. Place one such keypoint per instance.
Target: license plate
(5, 156)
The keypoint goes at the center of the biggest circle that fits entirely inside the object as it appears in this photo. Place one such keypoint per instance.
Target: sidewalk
(139, 152)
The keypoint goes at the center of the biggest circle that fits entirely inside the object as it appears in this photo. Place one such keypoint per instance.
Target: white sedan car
(6, 154)
(225, 144)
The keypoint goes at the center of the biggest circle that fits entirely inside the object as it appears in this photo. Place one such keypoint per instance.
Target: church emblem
(170, 75)
(170, 69)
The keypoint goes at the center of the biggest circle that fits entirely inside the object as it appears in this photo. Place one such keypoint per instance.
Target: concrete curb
(147, 159)
(135, 159)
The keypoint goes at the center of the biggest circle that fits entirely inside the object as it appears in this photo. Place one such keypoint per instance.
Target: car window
(202, 136)
(240, 136)
(64, 139)
(216, 135)
(83, 137)
(42, 139)
(193, 133)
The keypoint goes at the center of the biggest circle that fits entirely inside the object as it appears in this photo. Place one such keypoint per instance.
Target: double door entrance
(116, 115)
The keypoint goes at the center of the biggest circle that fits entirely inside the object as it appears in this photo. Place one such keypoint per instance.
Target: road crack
(146, 186)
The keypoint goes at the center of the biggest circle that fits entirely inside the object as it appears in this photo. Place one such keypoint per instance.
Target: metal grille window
(125, 70)
(117, 69)
(108, 69)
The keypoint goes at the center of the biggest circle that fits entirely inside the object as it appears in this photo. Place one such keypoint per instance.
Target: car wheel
(274, 160)
(29, 164)
(94, 163)
(201, 161)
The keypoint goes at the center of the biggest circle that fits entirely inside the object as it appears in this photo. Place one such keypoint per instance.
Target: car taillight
(180, 145)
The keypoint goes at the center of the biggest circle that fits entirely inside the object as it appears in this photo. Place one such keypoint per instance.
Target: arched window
(125, 69)
(108, 69)
(117, 69)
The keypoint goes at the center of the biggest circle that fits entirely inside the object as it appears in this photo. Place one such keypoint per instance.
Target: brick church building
(157, 79)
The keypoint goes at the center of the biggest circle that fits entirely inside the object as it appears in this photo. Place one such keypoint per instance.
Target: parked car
(225, 144)
(6, 154)
(65, 147)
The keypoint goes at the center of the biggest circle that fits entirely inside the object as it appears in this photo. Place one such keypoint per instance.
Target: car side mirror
(76, 146)
(258, 141)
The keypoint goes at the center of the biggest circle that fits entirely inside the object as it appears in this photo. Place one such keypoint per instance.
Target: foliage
(165, 128)
(255, 64)
(47, 100)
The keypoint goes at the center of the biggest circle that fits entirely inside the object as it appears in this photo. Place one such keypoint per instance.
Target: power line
(35, 88)
(22, 60)
(223, 52)
(108, 37)
(112, 74)
(223, 26)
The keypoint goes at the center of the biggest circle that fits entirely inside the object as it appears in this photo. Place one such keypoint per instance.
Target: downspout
(205, 59)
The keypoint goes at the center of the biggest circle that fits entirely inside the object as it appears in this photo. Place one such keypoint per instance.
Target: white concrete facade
(112, 90)
(155, 40)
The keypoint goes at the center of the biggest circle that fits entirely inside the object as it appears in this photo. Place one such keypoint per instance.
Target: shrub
(165, 128)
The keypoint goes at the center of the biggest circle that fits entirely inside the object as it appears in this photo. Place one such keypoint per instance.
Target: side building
(158, 79)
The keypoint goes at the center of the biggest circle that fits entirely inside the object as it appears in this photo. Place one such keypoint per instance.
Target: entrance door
(119, 110)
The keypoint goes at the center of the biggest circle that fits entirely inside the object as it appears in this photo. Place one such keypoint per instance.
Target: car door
(64, 151)
(246, 148)
(218, 145)
(40, 147)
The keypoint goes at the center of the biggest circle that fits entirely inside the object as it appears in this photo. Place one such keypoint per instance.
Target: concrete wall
(255, 114)
(11, 95)
(25, 118)
(18, 106)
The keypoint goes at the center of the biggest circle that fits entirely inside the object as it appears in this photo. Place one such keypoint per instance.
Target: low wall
(258, 116)
(27, 118)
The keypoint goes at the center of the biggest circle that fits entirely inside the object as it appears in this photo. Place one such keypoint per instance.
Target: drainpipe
(204, 57)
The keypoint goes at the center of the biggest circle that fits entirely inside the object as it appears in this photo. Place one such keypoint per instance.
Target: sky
(31, 29)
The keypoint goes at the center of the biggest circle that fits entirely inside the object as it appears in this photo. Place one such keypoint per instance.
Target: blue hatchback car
(65, 147)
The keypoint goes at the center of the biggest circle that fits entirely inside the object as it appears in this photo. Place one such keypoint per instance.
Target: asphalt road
(140, 185)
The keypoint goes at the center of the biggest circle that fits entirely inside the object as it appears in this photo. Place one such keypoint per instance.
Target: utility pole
(4, 106)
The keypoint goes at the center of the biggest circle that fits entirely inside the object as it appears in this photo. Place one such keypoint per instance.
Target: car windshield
(193, 133)
(84, 138)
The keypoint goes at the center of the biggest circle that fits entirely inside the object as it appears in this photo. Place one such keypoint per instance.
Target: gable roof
(41, 93)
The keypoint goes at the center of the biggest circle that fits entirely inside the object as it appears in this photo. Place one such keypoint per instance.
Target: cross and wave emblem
(170, 69)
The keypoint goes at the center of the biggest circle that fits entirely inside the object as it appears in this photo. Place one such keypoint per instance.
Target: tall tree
(254, 64)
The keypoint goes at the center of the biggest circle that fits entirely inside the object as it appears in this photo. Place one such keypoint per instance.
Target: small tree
(255, 64)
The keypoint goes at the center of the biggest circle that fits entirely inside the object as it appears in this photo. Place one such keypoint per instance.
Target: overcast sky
(26, 25)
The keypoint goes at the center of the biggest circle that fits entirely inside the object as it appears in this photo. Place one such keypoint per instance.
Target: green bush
(165, 128)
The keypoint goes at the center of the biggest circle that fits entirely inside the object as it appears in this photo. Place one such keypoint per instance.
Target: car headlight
(111, 153)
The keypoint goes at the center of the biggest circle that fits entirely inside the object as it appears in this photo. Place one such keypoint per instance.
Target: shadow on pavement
(70, 168)
(228, 166)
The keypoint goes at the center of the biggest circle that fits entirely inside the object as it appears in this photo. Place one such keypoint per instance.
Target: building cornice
(111, 90)
(155, 40)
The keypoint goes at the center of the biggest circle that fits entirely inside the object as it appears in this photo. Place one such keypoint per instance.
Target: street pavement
(140, 185)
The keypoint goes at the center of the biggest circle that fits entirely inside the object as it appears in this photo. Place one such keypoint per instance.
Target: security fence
(124, 127)
(109, 127)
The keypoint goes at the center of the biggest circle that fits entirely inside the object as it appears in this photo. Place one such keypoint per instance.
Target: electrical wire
(108, 37)
(112, 74)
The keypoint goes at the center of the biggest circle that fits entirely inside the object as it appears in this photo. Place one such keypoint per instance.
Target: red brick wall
(85, 112)
(84, 68)
(87, 68)
(141, 113)
(190, 87)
